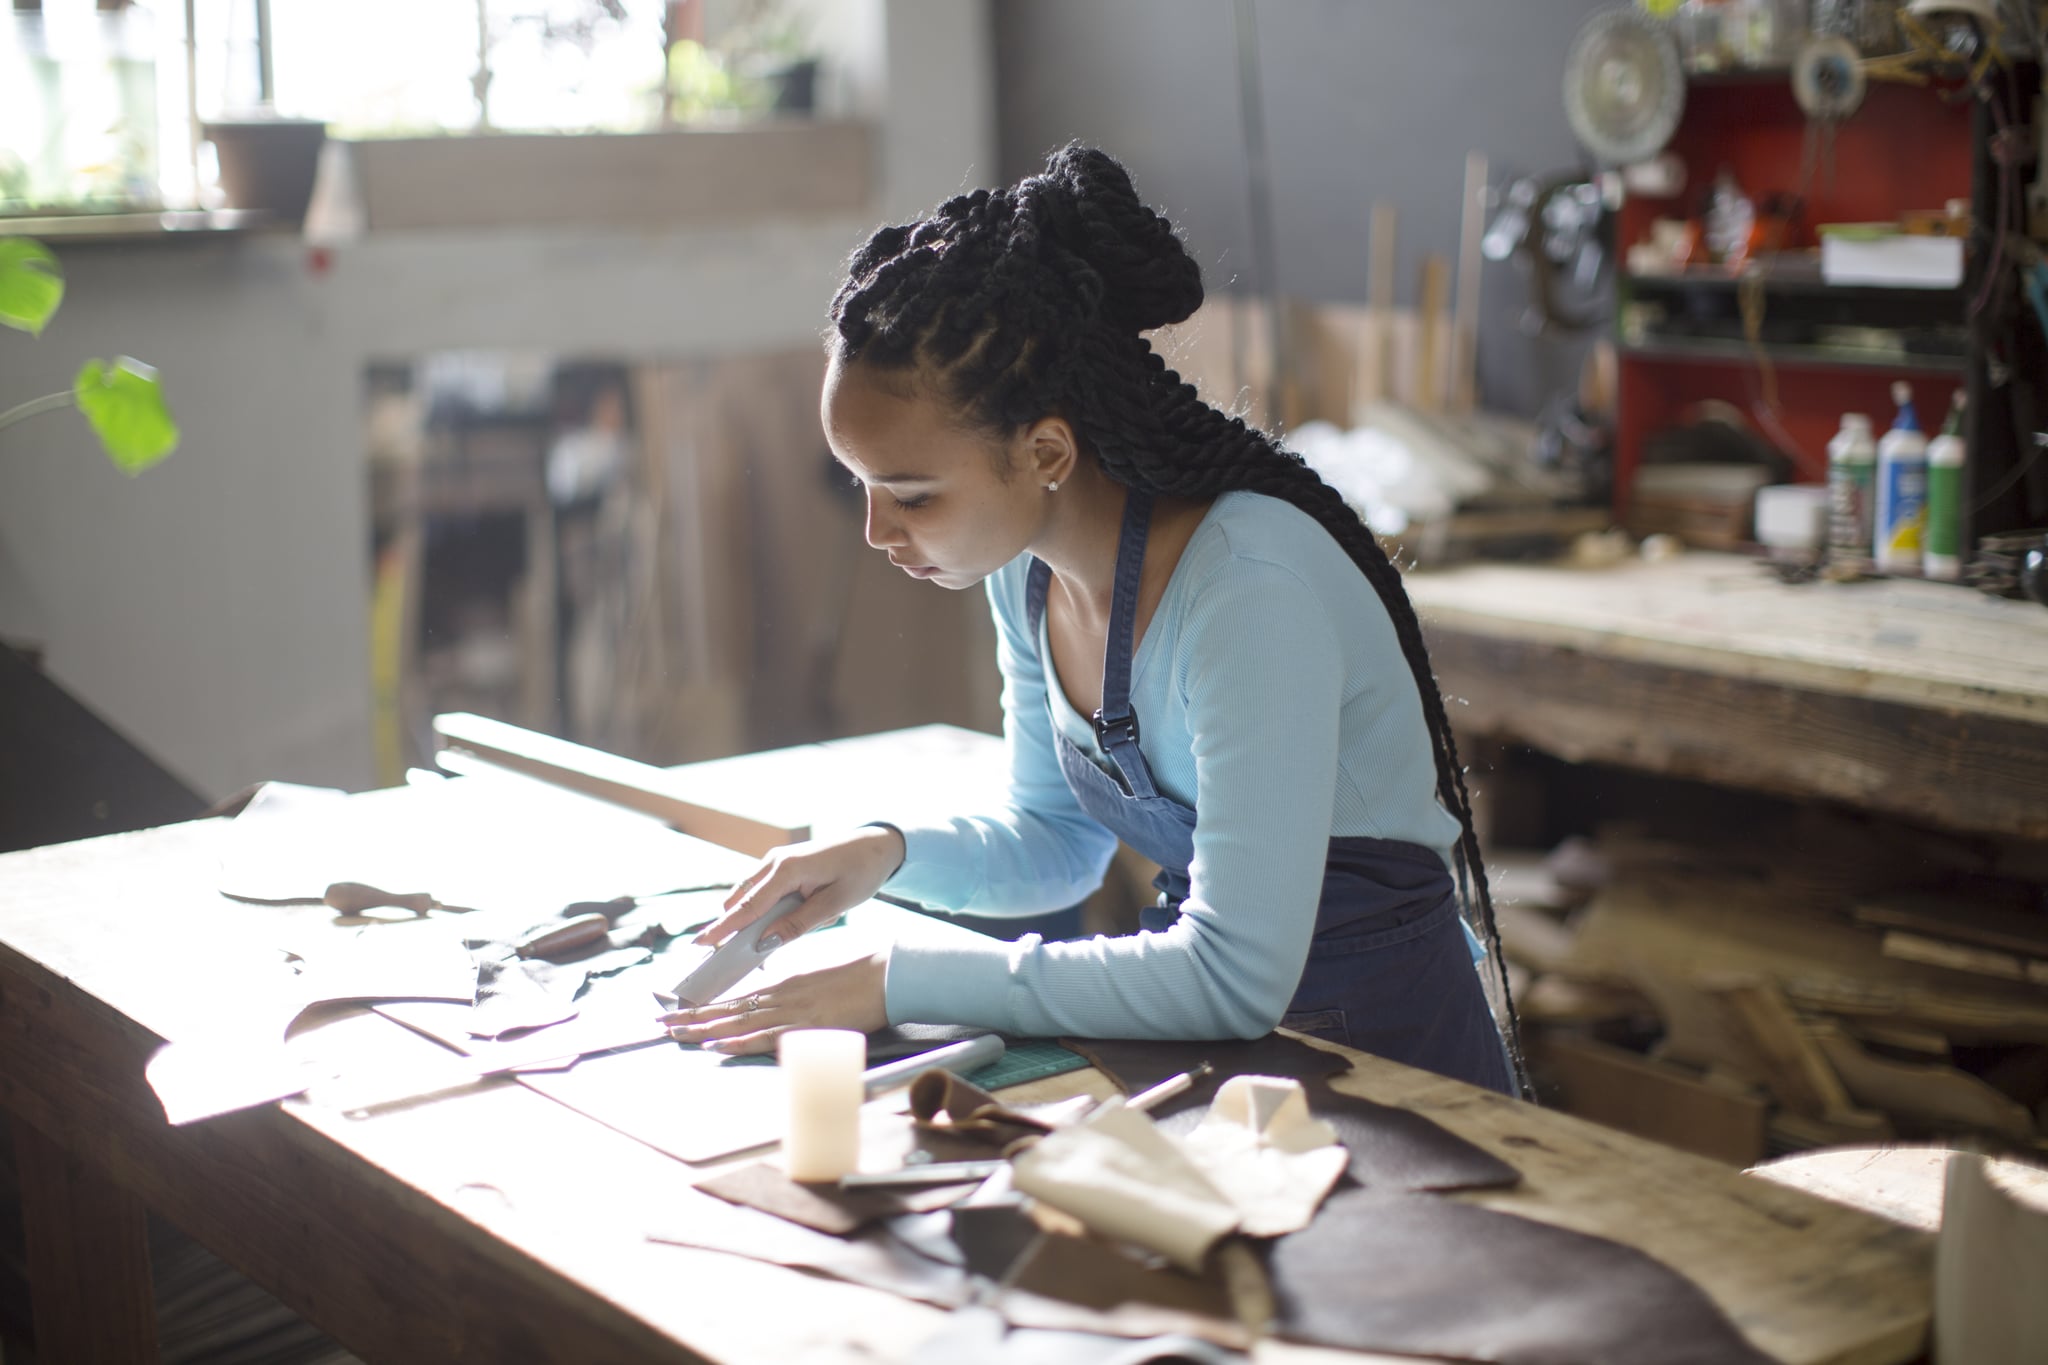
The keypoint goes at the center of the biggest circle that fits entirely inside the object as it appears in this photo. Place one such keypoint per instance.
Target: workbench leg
(88, 1258)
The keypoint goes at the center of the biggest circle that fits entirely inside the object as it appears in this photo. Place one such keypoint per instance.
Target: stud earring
(1053, 487)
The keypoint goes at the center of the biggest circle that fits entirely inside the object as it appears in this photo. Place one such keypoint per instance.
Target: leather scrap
(1138, 1064)
(943, 1101)
(825, 1208)
(1390, 1148)
(1417, 1275)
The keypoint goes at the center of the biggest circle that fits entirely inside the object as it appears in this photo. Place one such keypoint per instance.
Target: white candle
(821, 1070)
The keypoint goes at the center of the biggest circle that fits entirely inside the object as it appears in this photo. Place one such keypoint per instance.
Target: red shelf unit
(1906, 148)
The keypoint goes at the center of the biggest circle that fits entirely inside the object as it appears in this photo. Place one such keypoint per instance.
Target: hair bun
(1148, 278)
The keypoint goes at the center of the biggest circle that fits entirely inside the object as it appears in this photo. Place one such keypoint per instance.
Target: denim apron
(1390, 969)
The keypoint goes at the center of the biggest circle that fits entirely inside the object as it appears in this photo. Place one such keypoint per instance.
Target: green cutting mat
(1027, 1059)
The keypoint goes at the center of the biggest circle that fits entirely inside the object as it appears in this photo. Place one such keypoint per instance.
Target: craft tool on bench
(1168, 1088)
(927, 1173)
(729, 961)
(970, 1054)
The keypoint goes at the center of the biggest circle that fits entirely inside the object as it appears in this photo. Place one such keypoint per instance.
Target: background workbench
(1921, 700)
(500, 1225)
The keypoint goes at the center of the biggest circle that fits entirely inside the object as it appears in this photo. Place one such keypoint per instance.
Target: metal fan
(1828, 82)
(1624, 87)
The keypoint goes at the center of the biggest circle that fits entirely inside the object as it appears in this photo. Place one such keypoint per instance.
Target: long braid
(1034, 300)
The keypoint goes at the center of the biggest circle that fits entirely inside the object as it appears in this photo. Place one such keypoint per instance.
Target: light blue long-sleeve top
(1274, 699)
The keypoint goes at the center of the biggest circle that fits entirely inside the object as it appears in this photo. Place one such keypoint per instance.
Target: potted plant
(120, 399)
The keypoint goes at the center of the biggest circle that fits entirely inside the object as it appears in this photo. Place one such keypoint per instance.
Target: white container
(1852, 489)
(1792, 518)
(1901, 522)
(1901, 261)
(821, 1070)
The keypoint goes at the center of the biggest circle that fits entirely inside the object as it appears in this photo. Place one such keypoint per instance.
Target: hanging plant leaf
(125, 405)
(31, 285)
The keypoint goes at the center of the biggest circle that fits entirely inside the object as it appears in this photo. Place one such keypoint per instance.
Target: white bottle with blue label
(1902, 489)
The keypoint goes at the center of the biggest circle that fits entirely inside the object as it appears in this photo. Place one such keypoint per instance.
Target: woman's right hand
(832, 876)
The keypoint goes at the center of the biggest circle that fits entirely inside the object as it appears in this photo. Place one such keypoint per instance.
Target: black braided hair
(1033, 300)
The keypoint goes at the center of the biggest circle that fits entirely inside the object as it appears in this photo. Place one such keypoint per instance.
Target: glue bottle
(1945, 452)
(1852, 480)
(1901, 488)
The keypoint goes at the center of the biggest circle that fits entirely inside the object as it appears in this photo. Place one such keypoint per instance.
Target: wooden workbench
(499, 1225)
(1922, 700)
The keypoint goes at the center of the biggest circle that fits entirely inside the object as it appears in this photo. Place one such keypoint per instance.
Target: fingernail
(681, 1033)
(770, 942)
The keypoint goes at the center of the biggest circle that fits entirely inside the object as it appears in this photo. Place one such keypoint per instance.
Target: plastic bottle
(1901, 488)
(1852, 483)
(1944, 557)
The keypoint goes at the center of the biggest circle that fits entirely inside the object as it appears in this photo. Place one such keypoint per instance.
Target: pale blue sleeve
(1041, 851)
(1262, 677)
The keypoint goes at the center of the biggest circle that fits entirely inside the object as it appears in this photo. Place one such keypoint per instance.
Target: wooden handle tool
(576, 933)
(353, 898)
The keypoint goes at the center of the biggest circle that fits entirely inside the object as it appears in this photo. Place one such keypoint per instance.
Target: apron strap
(1116, 724)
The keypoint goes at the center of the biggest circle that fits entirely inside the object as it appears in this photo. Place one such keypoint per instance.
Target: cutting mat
(1028, 1059)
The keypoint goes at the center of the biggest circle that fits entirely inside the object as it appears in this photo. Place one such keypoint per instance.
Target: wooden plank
(1465, 335)
(1649, 1098)
(88, 1257)
(621, 181)
(1987, 775)
(621, 781)
(1435, 340)
(1929, 645)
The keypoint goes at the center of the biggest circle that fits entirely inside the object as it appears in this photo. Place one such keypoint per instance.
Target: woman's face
(945, 504)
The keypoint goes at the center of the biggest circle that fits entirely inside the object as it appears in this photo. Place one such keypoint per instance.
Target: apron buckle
(1113, 731)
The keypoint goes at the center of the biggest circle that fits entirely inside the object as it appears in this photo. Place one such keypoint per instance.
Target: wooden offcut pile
(1822, 987)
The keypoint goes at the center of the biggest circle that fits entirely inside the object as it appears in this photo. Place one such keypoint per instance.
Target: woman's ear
(1050, 451)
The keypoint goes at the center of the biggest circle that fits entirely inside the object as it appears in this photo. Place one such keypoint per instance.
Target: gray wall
(1364, 100)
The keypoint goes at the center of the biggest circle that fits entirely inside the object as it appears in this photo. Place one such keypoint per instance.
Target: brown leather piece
(1414, 1274)
(1001, 1243)
(1138, 1064)
(1390, 1148)
(942, 1102)
(827, 1208)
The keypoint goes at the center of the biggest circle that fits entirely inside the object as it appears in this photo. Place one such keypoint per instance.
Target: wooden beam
(1980, 774)
(88, 1257)
(608, 777)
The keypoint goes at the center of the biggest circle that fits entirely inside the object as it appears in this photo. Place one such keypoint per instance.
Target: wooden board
(1959, 757)
(498, 1225)
(1924, 645)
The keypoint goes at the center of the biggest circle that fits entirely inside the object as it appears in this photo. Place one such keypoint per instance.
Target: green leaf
(126, 408)
(31, 285)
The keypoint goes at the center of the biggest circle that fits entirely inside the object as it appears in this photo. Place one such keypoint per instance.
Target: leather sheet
(1111, 1295)
(1413, 1274)
(826, 1208)
(1390, 1148)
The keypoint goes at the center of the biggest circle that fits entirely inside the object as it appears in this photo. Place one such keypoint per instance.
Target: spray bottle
(1901, 488)
(1944, 557)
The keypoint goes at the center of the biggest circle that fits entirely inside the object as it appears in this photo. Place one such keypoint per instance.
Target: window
(101, 101)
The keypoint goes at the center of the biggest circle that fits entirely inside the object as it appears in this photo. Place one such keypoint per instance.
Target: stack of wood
(1811, 989)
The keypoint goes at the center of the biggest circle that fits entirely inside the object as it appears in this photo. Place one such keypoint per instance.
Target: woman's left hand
(850, 996)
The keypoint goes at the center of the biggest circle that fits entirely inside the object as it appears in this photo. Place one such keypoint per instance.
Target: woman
(1148, 559)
